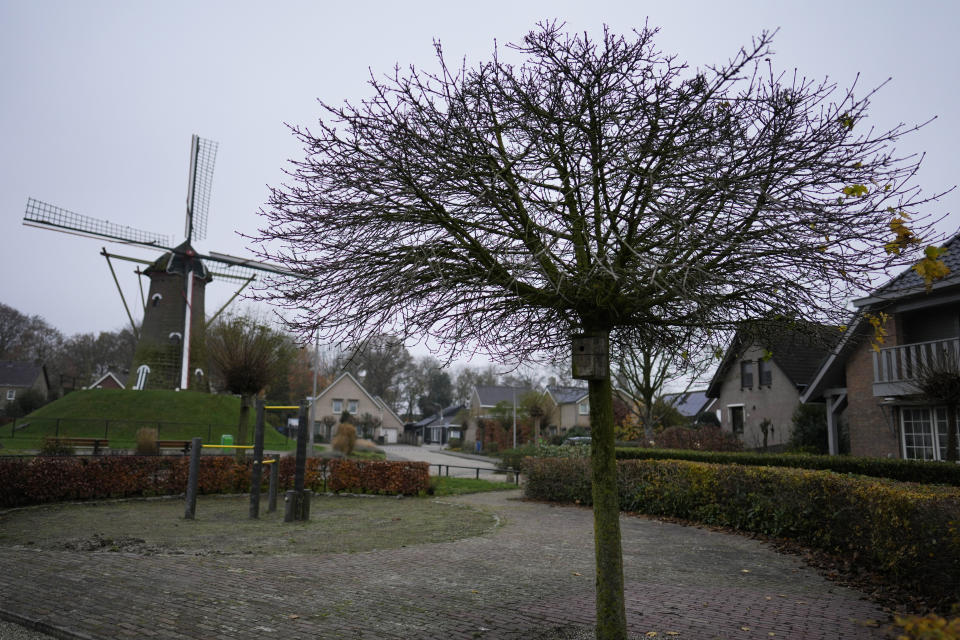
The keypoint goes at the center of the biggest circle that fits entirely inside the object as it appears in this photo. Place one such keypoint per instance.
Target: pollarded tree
(247, 355)
(599, 187)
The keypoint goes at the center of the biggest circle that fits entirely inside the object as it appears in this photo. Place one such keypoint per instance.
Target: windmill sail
(47, 216)
(203, 155)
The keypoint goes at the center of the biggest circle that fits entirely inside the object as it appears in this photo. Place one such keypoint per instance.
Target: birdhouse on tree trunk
(591, 357)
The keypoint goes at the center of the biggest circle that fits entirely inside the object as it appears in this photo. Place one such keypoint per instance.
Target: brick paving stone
(531, 577)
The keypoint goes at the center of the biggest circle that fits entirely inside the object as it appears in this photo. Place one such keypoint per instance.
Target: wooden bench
(96, 443)
(182, 445)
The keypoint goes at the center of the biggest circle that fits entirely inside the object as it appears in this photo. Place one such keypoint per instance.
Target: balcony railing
(895, 369)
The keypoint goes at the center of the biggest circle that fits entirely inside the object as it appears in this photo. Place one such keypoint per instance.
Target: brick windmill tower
(170, 350)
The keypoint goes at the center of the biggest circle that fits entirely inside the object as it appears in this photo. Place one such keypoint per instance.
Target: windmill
(170, 339)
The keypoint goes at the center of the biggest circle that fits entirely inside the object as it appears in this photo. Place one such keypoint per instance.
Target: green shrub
(908, 532)
(453, 443)
(513, 458)
(927, 472)
(705, 438)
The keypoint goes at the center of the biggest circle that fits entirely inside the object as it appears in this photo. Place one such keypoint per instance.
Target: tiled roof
(449, 413)
(19, 374)
(491, 395)
(566, 395)
(909, 282)
(690, 403)
(797, 352)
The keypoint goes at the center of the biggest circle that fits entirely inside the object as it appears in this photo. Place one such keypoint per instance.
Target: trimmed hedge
(26, 481)
(908, 532)
(379, 477)
(927, 472)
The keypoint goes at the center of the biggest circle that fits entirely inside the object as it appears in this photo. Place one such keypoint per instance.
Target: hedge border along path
(894, 469)
(54, 479)
(909, 533)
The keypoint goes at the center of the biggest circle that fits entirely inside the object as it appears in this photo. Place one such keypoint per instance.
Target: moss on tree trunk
(611, 614)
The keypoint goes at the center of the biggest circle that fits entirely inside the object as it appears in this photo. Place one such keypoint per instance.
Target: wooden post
(274, 481)
(256, 473)
(297, 505)
(193, 479)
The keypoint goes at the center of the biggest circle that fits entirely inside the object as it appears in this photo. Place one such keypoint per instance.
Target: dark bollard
(296, 505)
(297, 500)
(193, 478)
(274, 481)
(256, 474)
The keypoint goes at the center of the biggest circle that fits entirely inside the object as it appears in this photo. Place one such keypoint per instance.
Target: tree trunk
(245, 401)
(611, 614)
(952, 432)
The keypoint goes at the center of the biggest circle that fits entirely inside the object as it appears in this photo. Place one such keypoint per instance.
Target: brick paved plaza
(531, 577)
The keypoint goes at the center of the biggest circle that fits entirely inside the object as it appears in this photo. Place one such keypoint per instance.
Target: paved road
(450, 464)
(531, 577)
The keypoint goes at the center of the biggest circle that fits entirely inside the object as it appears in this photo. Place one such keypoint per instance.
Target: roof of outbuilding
(19, 374)
(567, 394)
(492, 395)
(689, 403)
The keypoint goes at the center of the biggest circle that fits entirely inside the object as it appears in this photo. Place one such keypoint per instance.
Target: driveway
(531, 577)
(442, 463)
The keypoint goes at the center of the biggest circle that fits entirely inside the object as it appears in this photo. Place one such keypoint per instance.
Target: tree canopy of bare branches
(599, 186)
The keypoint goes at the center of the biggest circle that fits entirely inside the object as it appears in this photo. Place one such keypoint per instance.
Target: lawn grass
(116, 414)
(447, 486)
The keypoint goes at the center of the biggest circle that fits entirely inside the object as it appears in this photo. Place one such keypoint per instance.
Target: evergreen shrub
(928, 472)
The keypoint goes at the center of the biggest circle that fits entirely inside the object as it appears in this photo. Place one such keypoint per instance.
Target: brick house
(875, 390)
(761, 379)
(484, 399)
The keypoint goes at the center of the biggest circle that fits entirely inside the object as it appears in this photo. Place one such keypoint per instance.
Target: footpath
(530, 577)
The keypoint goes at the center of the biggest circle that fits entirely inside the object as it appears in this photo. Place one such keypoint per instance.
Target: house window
(337, 406)
(746, 374)
(736, 420)
(921, 441)
(353, 406)
(584, 408)
(766, 372)
(11, 394)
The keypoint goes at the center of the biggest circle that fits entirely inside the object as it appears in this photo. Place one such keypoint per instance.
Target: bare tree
(599, 187)
(247, 354)
(641, 372)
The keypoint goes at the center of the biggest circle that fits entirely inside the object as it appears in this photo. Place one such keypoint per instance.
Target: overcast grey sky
(99, 100)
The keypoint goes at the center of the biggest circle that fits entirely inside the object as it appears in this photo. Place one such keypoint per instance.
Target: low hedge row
(53, 479)
(359, 476)
(908, 532)
(927, 472)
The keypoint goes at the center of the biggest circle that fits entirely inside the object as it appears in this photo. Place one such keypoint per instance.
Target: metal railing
(477, 470)
(903, 363)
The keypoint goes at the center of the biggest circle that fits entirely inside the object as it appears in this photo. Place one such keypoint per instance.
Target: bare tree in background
(641, 372)
(601, 187)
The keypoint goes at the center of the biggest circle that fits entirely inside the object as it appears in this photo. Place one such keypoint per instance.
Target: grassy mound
(116, 414)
